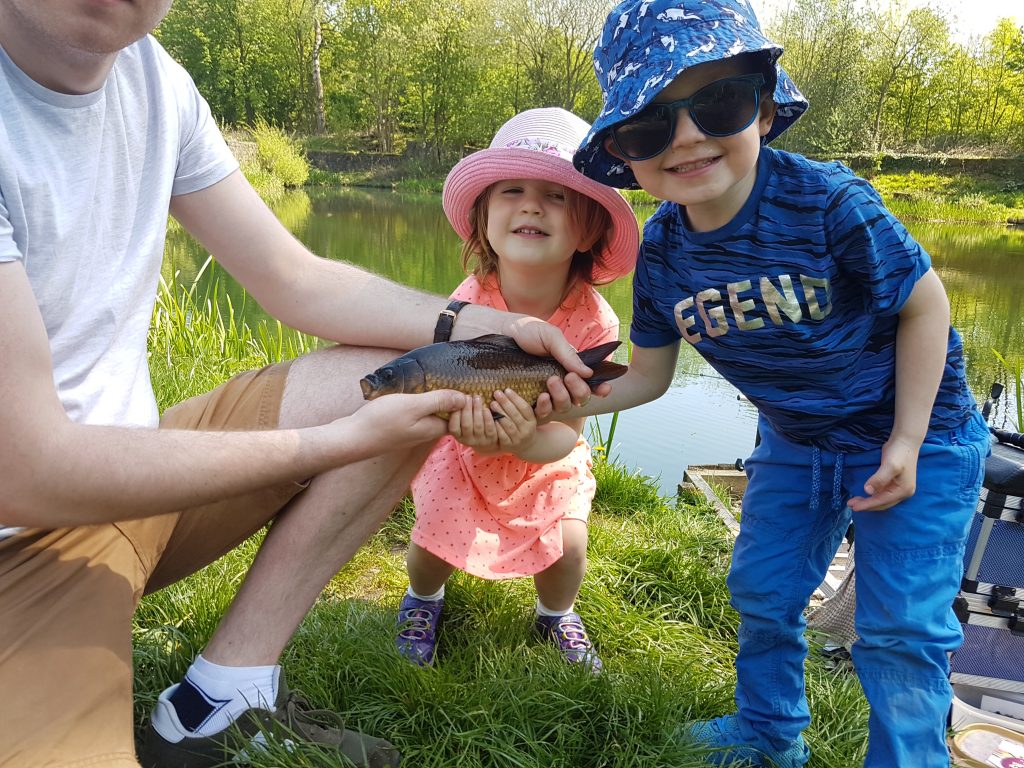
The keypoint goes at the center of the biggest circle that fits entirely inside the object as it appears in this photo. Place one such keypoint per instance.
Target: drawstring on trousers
(837, 480)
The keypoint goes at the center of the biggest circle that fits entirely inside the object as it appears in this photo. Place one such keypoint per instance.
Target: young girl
(510, 498)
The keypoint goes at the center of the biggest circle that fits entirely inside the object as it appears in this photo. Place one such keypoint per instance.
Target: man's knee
(324, 385)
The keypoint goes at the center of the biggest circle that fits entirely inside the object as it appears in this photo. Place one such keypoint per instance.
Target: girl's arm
(921, 341)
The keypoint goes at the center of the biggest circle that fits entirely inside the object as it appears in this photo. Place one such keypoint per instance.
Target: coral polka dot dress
(499, 517)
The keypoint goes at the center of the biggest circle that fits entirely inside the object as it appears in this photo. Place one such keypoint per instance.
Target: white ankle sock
(211, 697)
(436, 596)
(543, 610)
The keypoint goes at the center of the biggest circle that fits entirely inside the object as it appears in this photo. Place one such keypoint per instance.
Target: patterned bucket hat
(646, 44)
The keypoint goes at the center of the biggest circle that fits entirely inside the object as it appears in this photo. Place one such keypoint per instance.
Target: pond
(700, 419)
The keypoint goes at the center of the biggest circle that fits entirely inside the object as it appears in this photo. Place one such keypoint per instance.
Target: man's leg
(309, 541)
(323, 527)
(66, 604)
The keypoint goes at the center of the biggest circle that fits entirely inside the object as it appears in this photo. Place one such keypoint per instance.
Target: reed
(198, 339)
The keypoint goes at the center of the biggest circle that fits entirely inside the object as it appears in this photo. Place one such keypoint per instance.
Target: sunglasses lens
(722, 108)
(725, 107)
(645, 135)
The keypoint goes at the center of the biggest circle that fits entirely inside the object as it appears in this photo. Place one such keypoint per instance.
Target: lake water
(700, 419)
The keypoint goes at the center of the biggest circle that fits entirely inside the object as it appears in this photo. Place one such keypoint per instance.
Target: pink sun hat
(539, 144)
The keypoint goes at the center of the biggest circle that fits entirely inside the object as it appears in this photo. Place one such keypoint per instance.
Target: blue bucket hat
(646, 44)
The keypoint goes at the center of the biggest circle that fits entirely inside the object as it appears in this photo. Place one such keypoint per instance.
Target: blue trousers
(909, 561)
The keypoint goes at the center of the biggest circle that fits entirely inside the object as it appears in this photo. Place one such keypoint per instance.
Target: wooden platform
(705, 478)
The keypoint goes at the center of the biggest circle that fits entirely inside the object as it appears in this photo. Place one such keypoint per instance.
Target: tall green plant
(1013, 368)
(198, 339)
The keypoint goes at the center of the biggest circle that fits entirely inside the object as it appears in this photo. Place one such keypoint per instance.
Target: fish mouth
(369, 385)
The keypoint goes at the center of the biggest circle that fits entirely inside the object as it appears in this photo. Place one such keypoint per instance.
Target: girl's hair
(587, 217)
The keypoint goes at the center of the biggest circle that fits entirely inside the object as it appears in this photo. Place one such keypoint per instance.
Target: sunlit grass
(198, 340)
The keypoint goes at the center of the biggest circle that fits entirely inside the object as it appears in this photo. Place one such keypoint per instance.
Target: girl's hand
(893, 481)
(474, 427)
(518, 430)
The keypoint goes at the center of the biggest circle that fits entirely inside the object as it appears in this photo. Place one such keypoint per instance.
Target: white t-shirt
(85, 186)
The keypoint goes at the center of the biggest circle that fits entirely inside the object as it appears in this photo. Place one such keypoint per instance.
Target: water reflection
(700, 419)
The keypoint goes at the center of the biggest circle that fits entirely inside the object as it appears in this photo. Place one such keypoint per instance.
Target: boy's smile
(712, 176)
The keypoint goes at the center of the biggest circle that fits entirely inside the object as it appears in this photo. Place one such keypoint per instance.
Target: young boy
(792, 279)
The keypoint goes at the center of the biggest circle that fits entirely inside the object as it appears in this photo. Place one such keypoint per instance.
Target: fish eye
(387, 374)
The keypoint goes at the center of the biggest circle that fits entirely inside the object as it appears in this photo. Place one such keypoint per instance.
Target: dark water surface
(699, 420)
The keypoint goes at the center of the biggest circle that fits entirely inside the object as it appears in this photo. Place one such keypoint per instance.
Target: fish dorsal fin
(498, 340)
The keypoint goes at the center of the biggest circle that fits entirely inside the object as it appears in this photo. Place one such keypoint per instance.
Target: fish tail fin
(591, 357)
(604, 370)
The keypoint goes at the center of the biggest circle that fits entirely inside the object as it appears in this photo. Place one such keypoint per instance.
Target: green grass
(197, 339)
(950, 197)
(654, 600)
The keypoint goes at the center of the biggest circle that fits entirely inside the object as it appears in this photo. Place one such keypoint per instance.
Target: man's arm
(55, 472)
(334, 300)
(921, 341)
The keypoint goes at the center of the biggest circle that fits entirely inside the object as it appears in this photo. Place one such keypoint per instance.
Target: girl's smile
(528, 227)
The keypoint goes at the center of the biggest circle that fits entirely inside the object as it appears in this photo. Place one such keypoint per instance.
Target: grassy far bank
(654, 599)
(273, 161)
(937, 192)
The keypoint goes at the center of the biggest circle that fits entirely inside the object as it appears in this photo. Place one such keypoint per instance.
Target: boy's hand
(893, 481)
(563, 396)
(540, 338)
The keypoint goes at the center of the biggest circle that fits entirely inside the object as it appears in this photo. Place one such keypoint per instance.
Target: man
(100, 135)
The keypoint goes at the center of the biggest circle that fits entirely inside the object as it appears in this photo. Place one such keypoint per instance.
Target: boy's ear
(767, 116)
(611, 149)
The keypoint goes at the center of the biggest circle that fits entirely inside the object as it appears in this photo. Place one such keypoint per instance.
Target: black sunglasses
(721, 108)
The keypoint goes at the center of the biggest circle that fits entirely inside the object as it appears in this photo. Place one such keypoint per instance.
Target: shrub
(279, 155)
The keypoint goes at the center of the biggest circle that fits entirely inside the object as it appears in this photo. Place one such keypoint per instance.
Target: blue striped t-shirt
(796, 302)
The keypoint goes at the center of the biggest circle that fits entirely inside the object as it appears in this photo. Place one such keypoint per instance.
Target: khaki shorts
(67, 598)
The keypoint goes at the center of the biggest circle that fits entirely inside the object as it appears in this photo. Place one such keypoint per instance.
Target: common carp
(479, 367)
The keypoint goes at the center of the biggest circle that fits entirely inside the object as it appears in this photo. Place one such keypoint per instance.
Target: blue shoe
(568, 633)
(723, 735)
(417, 629)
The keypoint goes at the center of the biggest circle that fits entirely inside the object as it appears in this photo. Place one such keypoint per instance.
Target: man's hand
(893, 481)
(540, 338)
(400, 421)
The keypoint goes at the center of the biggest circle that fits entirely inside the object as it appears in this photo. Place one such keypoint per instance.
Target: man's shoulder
(146, 61)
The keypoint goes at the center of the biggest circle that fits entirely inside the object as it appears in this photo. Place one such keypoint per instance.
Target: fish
(479, 367)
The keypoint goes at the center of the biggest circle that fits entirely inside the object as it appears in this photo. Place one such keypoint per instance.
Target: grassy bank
(654, 600)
